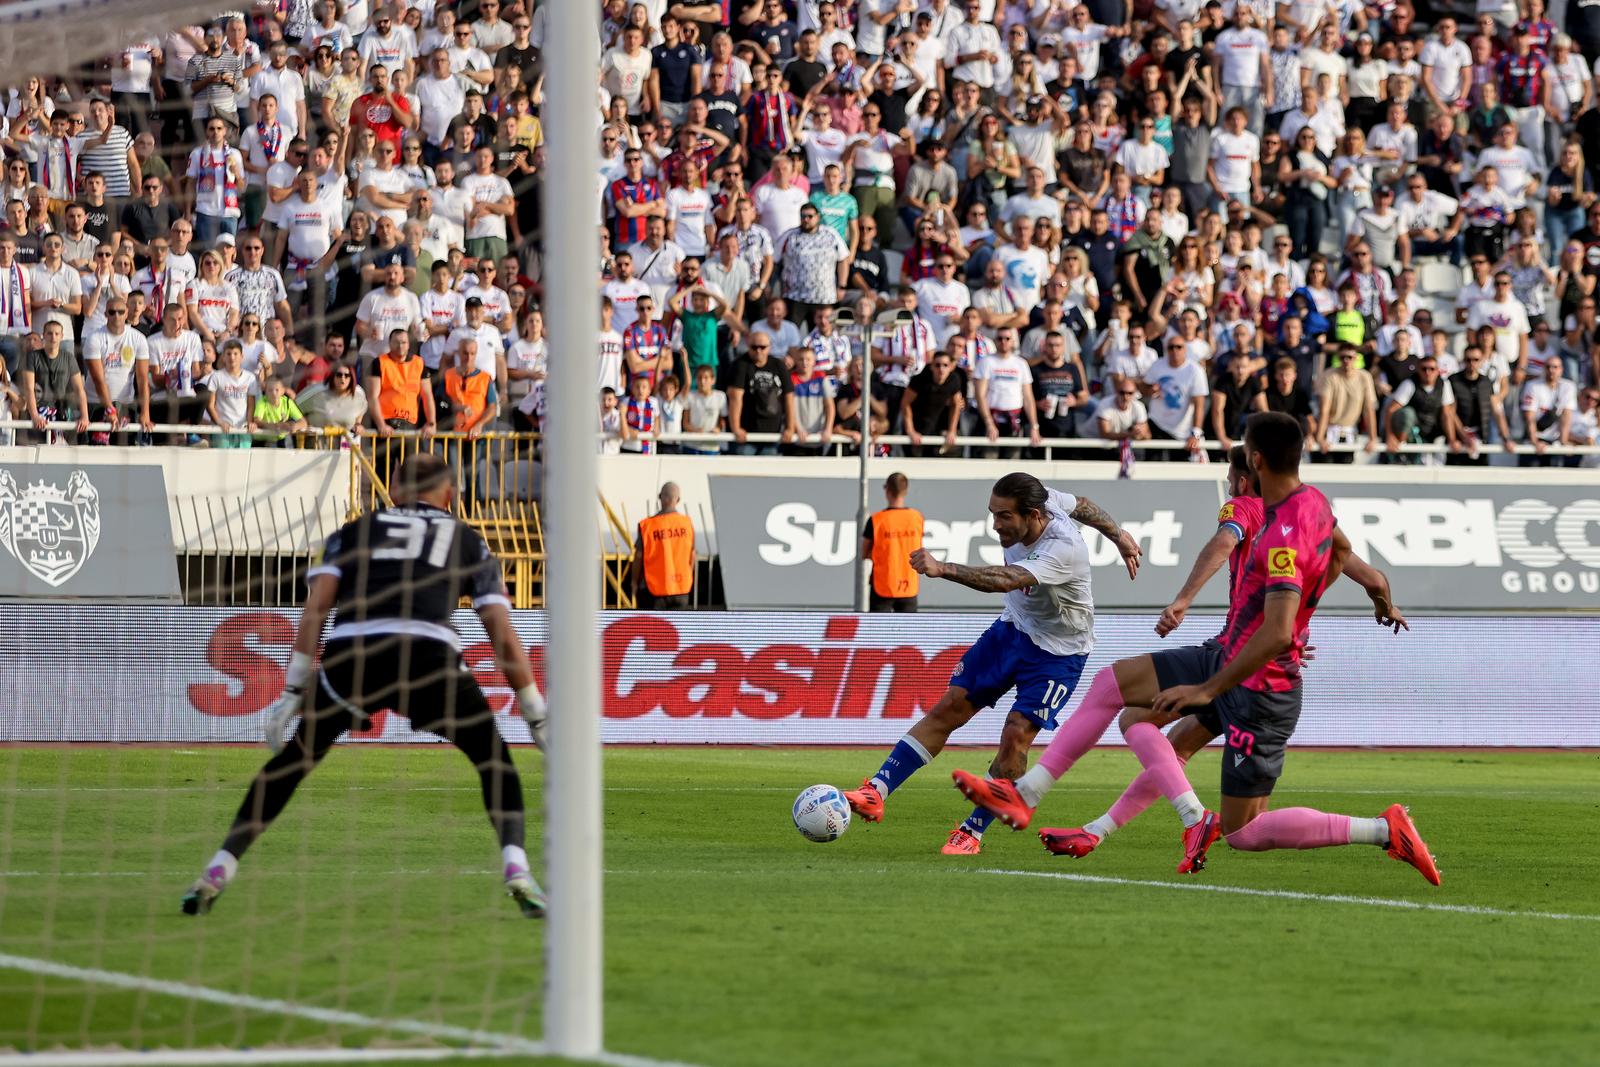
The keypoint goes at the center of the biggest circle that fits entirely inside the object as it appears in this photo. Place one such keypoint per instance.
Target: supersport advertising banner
(792, 542)
(194, 675)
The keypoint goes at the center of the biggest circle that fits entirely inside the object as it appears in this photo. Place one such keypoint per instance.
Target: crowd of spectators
(1036, 219)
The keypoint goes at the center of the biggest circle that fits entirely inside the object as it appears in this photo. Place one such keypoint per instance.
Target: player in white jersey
(1037, 646)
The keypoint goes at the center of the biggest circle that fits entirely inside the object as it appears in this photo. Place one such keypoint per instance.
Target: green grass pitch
(732, 942)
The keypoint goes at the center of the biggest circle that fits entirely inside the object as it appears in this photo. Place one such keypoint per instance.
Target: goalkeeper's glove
(287, 706)
(531, 703)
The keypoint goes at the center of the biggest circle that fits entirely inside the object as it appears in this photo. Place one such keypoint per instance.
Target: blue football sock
(905, 759)
(978, 821)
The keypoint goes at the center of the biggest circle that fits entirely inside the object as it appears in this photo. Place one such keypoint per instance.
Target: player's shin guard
(1159, 760)
(1101, 704)
(1291, 828)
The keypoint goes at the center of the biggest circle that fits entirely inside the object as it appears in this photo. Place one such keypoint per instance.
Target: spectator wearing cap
(214, 78)
(490, 354)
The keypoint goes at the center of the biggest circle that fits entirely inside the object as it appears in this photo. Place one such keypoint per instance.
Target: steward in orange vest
(664, 556)
(889, 539)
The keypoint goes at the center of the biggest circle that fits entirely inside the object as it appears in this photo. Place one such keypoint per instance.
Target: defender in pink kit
(1249, 681)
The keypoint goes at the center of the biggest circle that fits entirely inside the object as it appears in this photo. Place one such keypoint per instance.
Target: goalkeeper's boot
(205, 891)
(1407, 846)
(997, 795)
(521, 888)
(962, 842)
(866, 802)
(1072, 841)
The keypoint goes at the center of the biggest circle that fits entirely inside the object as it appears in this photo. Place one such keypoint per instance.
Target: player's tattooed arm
(1088, 513)
(987, 579)
(983, 579)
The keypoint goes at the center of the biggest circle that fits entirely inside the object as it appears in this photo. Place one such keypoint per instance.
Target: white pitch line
(247, 1057)
(1290, 894)
(498, 1045)
(269, 1005)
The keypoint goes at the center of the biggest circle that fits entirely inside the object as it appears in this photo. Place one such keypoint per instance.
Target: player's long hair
(1026, 491)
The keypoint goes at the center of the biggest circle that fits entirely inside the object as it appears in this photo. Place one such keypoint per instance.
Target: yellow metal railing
(616, 566)
(496, 488)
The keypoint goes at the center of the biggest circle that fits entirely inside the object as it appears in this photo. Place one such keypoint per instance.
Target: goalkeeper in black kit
(394, 576)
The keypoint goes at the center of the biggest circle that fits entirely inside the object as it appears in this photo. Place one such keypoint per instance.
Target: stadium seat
(1438, 278)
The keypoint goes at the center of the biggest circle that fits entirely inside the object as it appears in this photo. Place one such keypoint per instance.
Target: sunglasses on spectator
(342, 374)
(1130, 392)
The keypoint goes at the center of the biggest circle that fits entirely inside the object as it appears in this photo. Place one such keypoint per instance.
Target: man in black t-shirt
(869, 271)
(890, 101)
(148, 217)
(722, 104)
(520, 53)
(931, 404)
(1287, 395)
(760, 399)
(1235, 393)
(806, 71)
(1060, 390)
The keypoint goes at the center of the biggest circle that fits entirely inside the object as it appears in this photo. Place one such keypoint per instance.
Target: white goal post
(574, 947)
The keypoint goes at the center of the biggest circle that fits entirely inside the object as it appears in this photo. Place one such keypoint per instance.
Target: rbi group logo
(1536, 545)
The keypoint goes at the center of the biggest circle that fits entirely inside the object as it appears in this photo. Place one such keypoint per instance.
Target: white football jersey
(1057, 614)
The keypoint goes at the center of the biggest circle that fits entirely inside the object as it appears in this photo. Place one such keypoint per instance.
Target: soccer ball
(821, 814)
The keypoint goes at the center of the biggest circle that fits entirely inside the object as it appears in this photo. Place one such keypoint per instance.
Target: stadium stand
(1129, 225)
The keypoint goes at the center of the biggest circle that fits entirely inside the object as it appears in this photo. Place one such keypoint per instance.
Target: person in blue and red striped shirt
(645, 352)
(767, 125)
(1524, 75)
(633, 200)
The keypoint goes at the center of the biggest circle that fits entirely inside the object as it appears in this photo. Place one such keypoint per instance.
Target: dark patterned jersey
(405, 569)
(1292, 551)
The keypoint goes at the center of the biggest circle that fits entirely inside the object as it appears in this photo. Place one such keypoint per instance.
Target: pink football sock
(1159, 760)
(1139, 795)
(1101, 704)
(1292, 828)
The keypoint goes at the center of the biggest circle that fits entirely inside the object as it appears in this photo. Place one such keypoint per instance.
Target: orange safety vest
(896, 533)
(668, 543)
(398, 387)
(468, 396)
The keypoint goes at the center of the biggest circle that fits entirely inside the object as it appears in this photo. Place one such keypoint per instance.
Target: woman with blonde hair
(1569, 192)
(1352, 171)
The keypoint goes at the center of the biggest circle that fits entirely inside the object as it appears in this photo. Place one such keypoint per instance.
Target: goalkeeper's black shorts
(421, 678)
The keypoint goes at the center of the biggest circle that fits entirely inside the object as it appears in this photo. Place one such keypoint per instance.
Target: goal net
(371, 918)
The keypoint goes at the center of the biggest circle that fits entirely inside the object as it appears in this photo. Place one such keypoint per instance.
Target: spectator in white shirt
(1548, 405)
